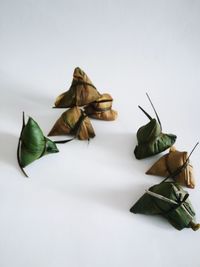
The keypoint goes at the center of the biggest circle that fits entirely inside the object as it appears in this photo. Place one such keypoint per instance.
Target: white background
(74, 209)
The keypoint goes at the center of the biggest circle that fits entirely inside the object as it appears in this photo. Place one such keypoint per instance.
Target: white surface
(74, 209)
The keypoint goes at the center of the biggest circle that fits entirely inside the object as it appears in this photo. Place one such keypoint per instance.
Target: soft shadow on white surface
(118, 200)
(118, 147)
(18, 97)
(8, 145)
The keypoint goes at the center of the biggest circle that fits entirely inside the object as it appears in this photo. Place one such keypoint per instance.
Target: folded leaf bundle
(170, 163)
(73, 122)
(168, 199)
(33, 144)
(151, 139)
(80, 93)
(101, 109)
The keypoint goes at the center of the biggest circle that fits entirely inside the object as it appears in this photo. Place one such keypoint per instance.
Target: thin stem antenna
(23, 120)
(188, 158)
(154, 110)
(64, 141)
(145, 112)
(192, 151)
(19, 146)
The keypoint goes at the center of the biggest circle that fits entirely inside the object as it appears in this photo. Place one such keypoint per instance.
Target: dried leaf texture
(101, 109)
(73, 122)
(170, 163)
(81, 92)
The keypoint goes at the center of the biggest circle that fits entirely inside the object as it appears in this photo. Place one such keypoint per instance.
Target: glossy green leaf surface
(34, 144)
(152, 141)
(179, 212)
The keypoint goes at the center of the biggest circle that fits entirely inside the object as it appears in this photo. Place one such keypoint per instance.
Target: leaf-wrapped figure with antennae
(33, 144)
(81, 92)
(101, 109)
(151, 139)
(169, 200)
(170, 163)
(73, 122)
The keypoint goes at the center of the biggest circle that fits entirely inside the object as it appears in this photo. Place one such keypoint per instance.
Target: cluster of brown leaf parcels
(75, 120)
(168, 197)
